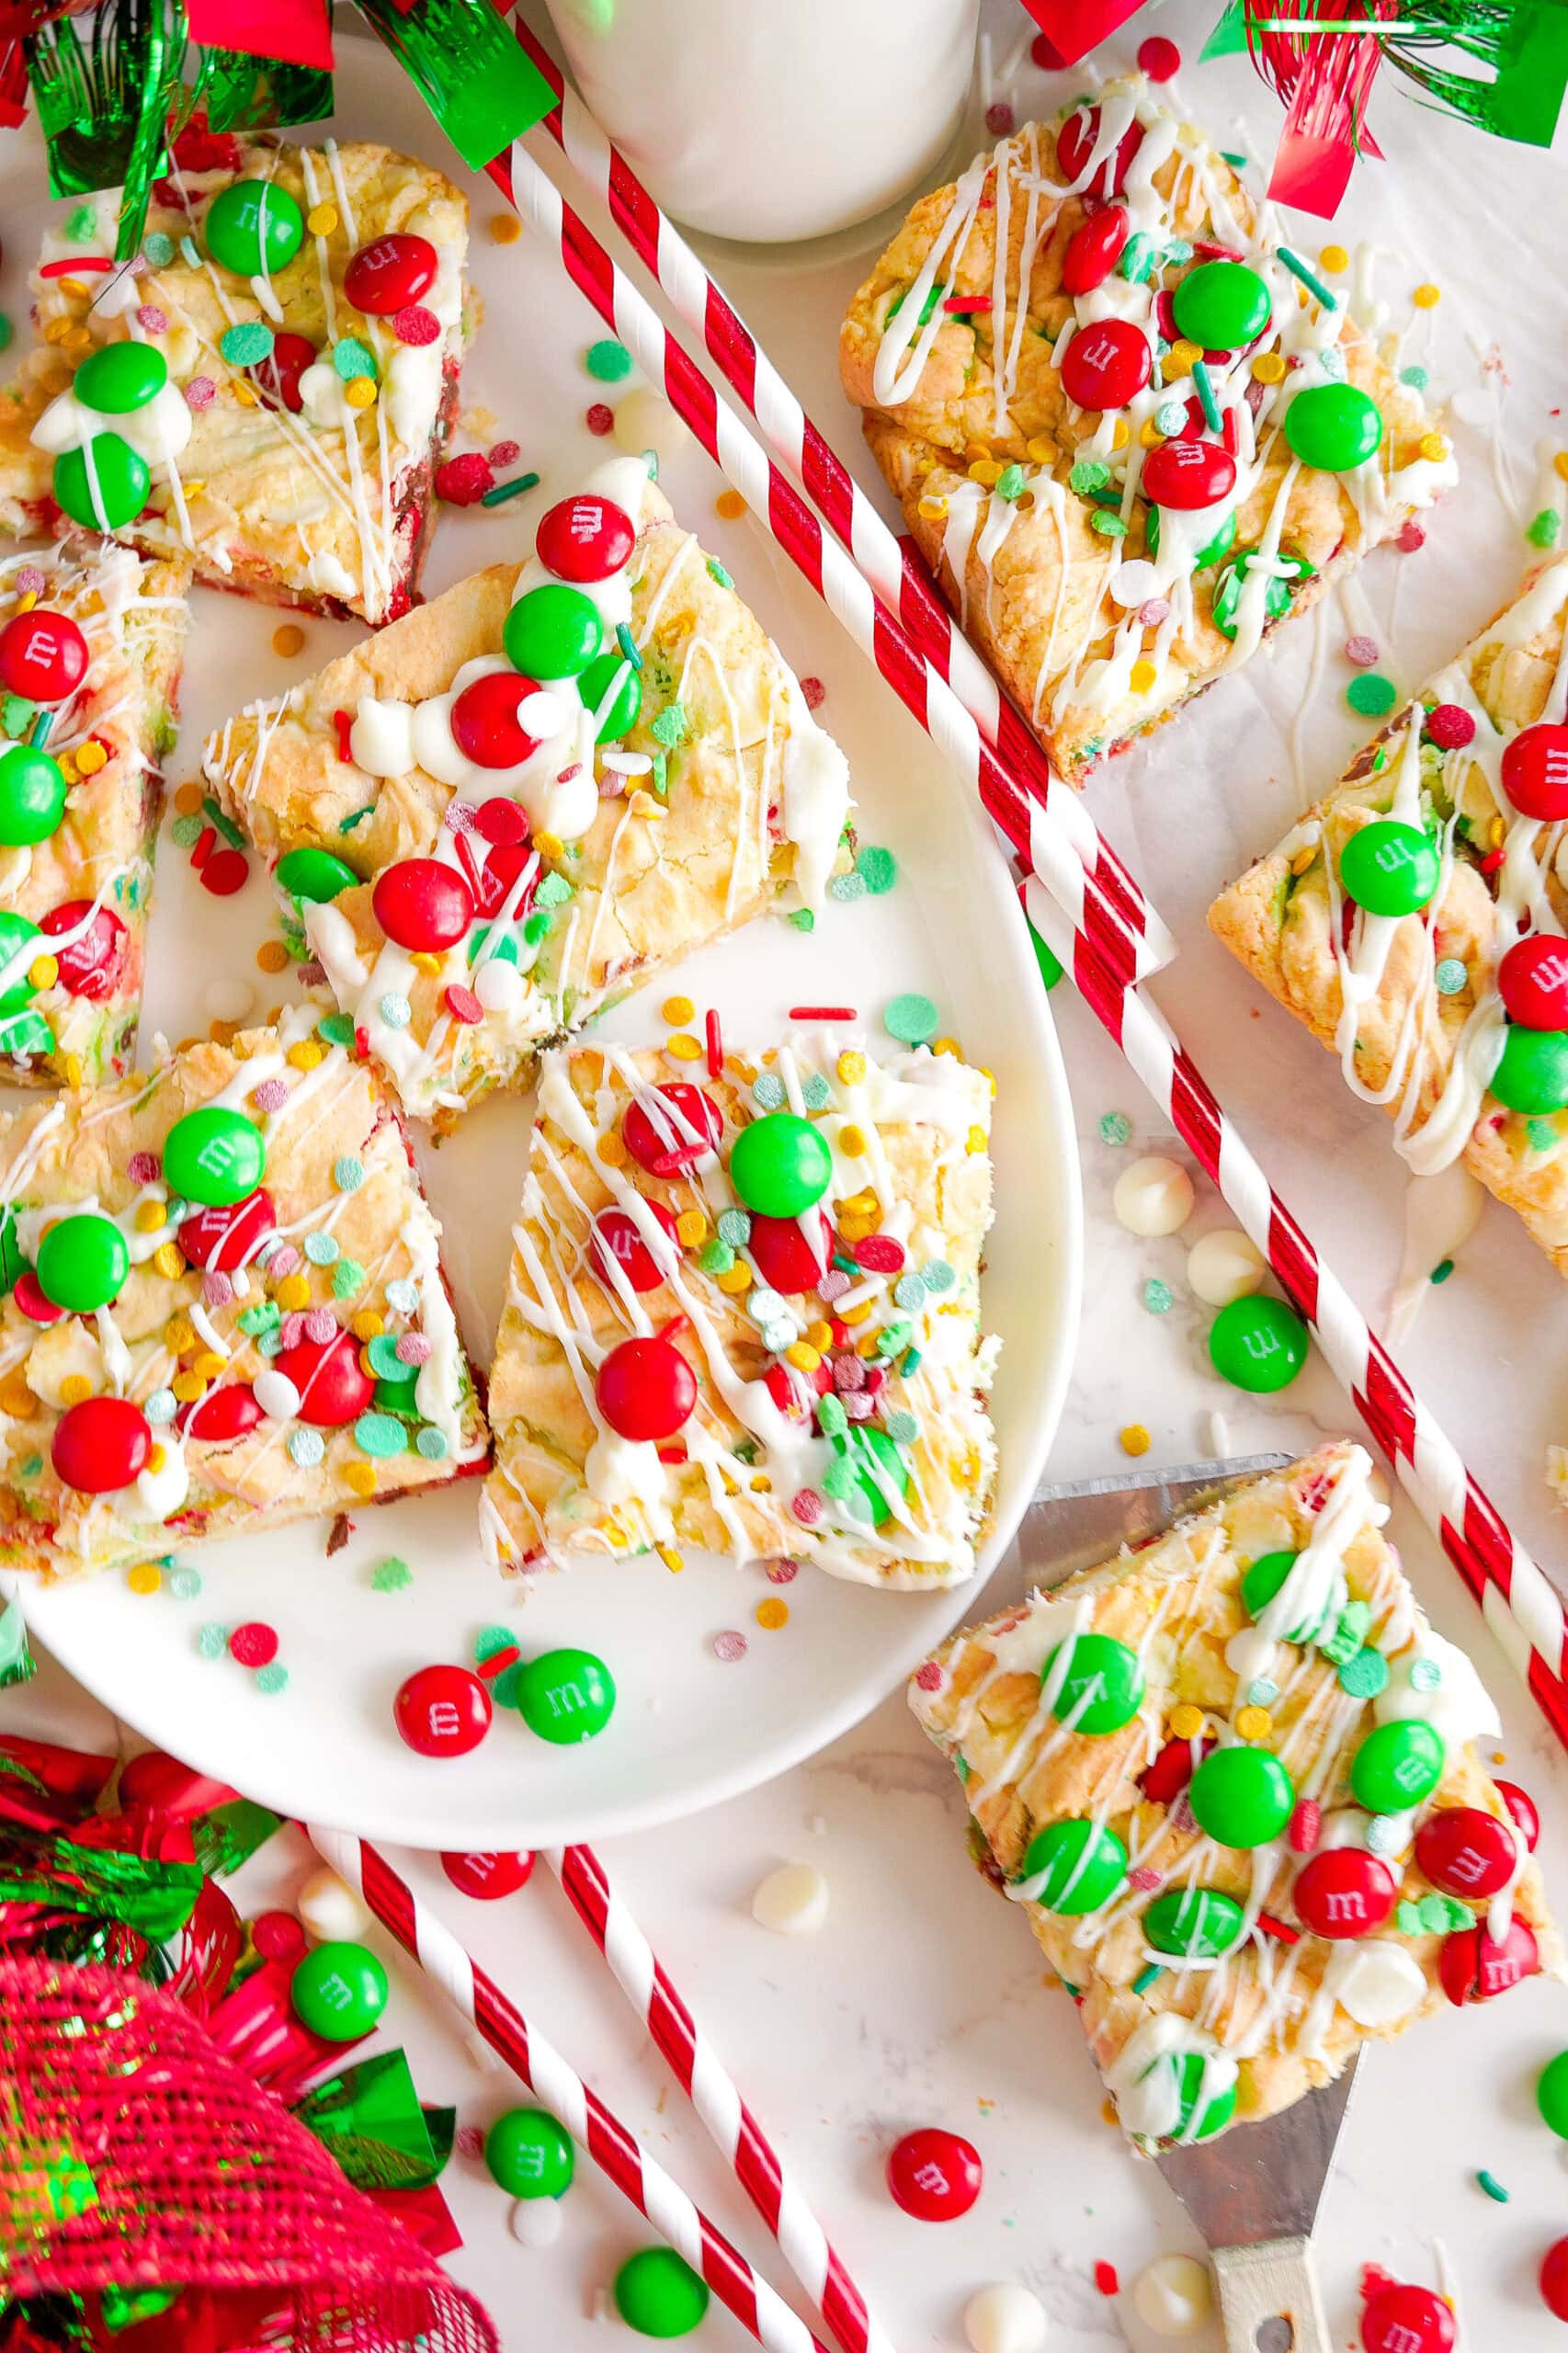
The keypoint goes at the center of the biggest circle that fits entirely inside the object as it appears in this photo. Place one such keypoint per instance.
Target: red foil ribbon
(299, 32)
(1074, 26)
(1325, 78)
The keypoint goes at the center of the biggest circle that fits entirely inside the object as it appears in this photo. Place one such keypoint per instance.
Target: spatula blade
(1260, 2182)
(1080, 1525)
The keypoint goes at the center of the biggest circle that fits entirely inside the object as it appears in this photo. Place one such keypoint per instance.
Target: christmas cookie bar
(223, 1306)
(266, 389)
(90, 644)
(1414, 917)
(744, 1314)
(512, 808)
(1130, 431)
(1232, 1780)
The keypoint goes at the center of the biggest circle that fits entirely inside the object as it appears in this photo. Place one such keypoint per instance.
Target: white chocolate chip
(1380, 1983)
(1004, 2319)
(1153, 1196)
(1134, 583)
(646, 421)
(497, 984)
(792, 1901)
(228, 1000)
(1172, 2295)
(1223, 1266)
(535, 2222)
(329, 1908)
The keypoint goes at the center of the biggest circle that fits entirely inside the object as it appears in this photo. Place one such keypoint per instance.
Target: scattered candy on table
(792, 1901)
(934, 2174)
(339, 1991)
(658, 2293)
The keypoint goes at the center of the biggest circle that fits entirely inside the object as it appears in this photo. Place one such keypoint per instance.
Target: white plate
(688, 1730)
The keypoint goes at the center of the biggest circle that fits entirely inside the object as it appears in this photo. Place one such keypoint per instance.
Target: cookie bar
(1233, 1781)
(744, 1314)
(1128, 431)
(90, 644)
(506, 812)
(223, 1306)
(1414, 917)
(266, 389)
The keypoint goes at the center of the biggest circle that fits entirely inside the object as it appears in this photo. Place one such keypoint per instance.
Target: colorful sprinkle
(911, 1018)
(1545, 529)
(1157, 1296)
(354, 360)
(730, 1645)
(212, 1641)
(1134, 1438)
(1491, 2186)
(1372, 694)
(1365, 1675)
(1116, 1128)
(877, 869)
(391, 1576)
(306, 1447)
(608, 361)
(1416, 378)
(246, 343)
(254, 1644)
(1362, 651)
(600, 419)
(271, 1680)
(771, 1615)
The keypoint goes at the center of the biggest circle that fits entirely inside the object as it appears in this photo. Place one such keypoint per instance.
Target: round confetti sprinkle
(846, 887)
(771, 1615)
(145, 1577)
(306, 1447)
(402, 1296)
(347, 1172)
(416, 326)
(1134, 1438)
(1372, 694)
(600, 419)
(158, 248)
(999, 119)
(353, 360)
(270, 1096)
(322, 1249)
(783, 1572)
(1362, 651)
(1116, 1128)
(608, 361)
(254, 1645)
(1159, 58)
(730, 1645)
(246, 343)
(431, 1443)
(1450, 976)
(160, 1408)
(1426, 296)
(151, 320)
(506, 453)
(200, 393)
(1365, 1675)
(212, 1641)
(768, 1090)
(271, 1679)
(877, 869)
(185, 1583)
(396, 1010)
(320, 1325)
(1416, 378)
(379, 1434)
(911, 1018)
(1157, 1296)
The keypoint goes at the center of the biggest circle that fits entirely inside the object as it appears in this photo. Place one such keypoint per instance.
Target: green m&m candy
(12, 1262)
(1276, 596)
(530, 2155)
(1263, 1581)
(1101, 1683)
(253, 226)
(1333, 427)
(781, 1165)
(339, 1991)
(880, 1470)
(102, 485)
(553, 632)
(659, 2294)
(121, 376)
(1219, 545)
(215, 1157)
(82, 1262)
(1533, 1074)
(1390, 868)
(1222, 305)
(314, 874)
(1257, 1344)
(1079, 1864)
(1242, 1797)
(1397, 1765)
(1198, 2117)
(595, 683)
(17, 934)
(1551, 2094)
(566, 1695)
(1198, 1923)
(32, 795)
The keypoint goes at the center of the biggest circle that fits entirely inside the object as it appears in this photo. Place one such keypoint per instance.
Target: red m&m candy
(90, 963)
(101, 1445)
(646, 1389)
(618, 1236)
(1521, 1805)
(1093, 250)
(935, 2175)
(1554, 2278)
(381, 278)
(486, 1875)
(1075, 143)
(1535, 771)
(442, 1711)
(218, 1240)
(1466, 1852)
(1172, 1769)
(1475, 1969)
(785, 1259)
(227, 1412)
(1532, 981)
(585, 539)
(1105, 365)
(1344, 1893)
(485, 726)
(1407, 2320)
(334, 1389)
(276, 378)
(795, 1392)
(43, 655)
(1185, 475)
(501, 870)
(671, 1134)
(423, 903)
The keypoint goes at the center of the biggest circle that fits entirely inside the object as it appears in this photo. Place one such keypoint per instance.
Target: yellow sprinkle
(1186, 1722)
(187, 800)
(760, 1483)
(692, 1227)
(425, 961)
(90, 758)
(855, 1229)
(1267, 368)
(74, 1388)
(802, 1356)
(772, 1613)
(850, 1067)
(1433, 446)
(1426, 296)
(1040, 447)
(504, 229)
(195, 489)
(272, 956)
(947, 1046)
(1560, 463)
(867, 1347)
(677, 1011)
(68, 767)
(851, 1141)
(322, 220)
(1254, 1723)
(145, 1577)
(671, 1558)
(150, 1216)
(305, 1055)
(1119, 436)
(179, 1333)
(17, 1400)
(293, 1292)
(1141, 676)
(1334, 258)
(367, 1325)
(43, 972)
(550, 845)
(288, 638)
(820, 1335)
(208, 1364)
(682, 1046)
(168, 1261)
(615, 1536)
(187, 1387)
(735, 1279)
(359, 1478)
(56, 330)
(1302, 860)
(365, 1364)
(933, 508)
(853, 1315)
(156, 1457)
(1149, 434)
(729, 504)
(1135, 1439)
(611, 1151)
(360, 393)
(863, 1202)
(986, 471)
(1181, 359)
(25, 604)
(647, 804)
(76, 338)
(1497, 834)
(975, 1140)
(242, 394)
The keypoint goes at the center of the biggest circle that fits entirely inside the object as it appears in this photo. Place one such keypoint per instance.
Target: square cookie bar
(1128, 432)
(223, 1306)
(90, 644)
(1414, 917)
(743, 1315)
(266, 389)
(502, 815)
(1233, 1781)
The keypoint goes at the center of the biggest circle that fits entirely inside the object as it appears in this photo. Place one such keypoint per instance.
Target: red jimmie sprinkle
(715, 1046)
(1281, 1928)
(203, 849)
(600, 419)
(361, 1043)
(1105, 2278)
(71, 269)
(344, 723)
(968, 302)
(814, 692)
(498, 1660)
(822, 1013)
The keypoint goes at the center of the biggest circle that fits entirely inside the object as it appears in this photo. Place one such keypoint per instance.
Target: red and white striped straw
(711, 2090)
(1091, 937)
(422, 1934)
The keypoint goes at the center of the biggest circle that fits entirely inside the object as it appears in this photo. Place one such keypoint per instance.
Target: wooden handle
(1275, 2283)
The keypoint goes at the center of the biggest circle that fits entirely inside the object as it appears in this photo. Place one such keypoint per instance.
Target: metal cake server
(1255, 2192)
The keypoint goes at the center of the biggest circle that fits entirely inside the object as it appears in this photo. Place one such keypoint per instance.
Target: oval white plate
(688, 1730)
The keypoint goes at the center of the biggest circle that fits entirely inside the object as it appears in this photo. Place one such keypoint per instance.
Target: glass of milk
(773, 121)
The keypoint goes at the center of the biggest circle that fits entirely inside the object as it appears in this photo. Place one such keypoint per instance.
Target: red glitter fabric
(135, 2155)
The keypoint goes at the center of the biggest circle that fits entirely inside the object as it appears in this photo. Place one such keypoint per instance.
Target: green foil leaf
(468, 66)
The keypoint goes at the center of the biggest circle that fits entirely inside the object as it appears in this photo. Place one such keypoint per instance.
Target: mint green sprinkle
(535, 928)
(264, 1317)
(1416, 378)
(185, 1583)
(831, 1419)
(554, 891)
(83, 223)
(1491, 2186)
(660, 773)
(669, 726)
(716, 572)
(938, 1276)
(356, 817)
(840, 1481)
(1262, 1691)
(323, 1249)
(379, 1434)
(1407, 1920)
(1108, 526)
(877, 869)
(246, 343)
(337, 1028)
(911, 1018)
(1137, 257)
(212, 1641)
(1450, 976)
(1544, 528)
(803, 919)
(385, 1361)
(1434, 1911)
(768, 1090)
(1146, 1977)
(902, 1428)
(1089, 476)
(1542, 1134)
(1116, 1128)
(347, 1278)
(1425, 1675)
(1372, 694)
(351, 358)
(846, 887)
(1442, 1270)
(816, 1091)
(716, 1257)
(1157, 1296)
(1010, 483)
(158, 248)
(1236, 162)
(17, 716)
(186, 832)
(431, 1443)
(1170, 416)
(272, 1678)
(1364, 1674)
(608, 361)
(391, 1576)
